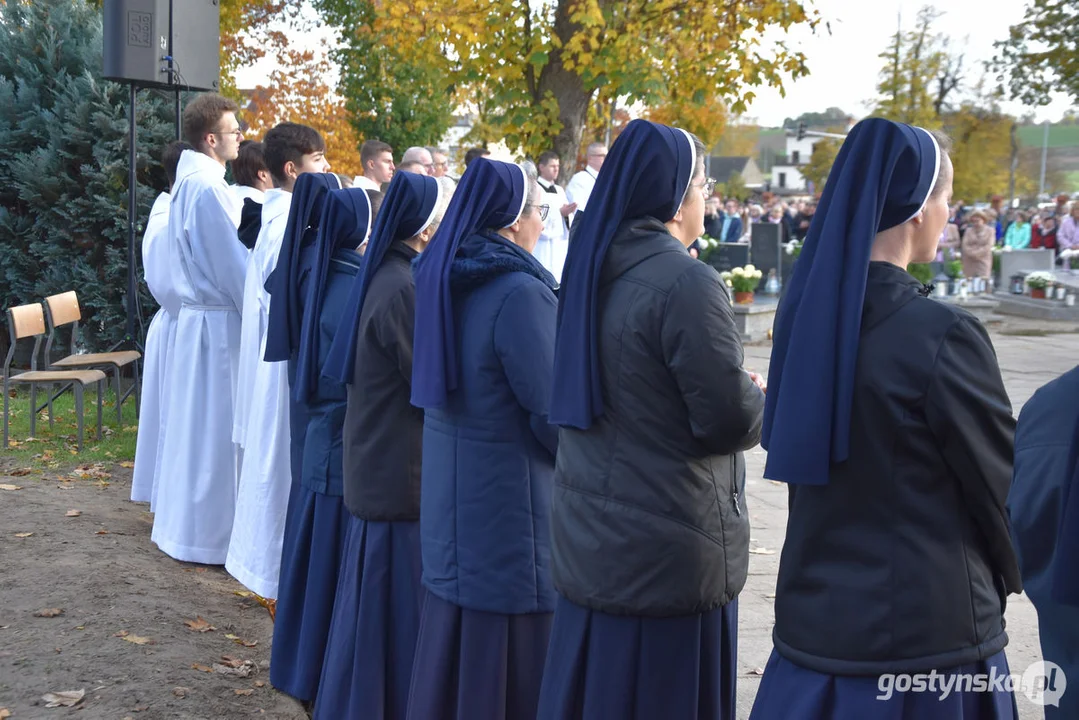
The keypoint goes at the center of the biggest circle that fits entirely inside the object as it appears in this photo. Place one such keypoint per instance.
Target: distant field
(1059, 135)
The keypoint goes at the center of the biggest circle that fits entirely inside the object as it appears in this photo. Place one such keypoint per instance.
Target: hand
(568, 209)
(759, 381)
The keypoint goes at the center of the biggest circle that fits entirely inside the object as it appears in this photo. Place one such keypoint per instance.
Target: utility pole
(1045, 154)
(1014, 164)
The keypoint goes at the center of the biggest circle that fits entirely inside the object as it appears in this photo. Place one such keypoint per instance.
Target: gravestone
(727, 256)
(766, 251)
(1024, 261)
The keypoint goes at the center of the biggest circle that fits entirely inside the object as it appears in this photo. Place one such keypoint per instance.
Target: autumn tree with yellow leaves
(301, 87)
(534, 70)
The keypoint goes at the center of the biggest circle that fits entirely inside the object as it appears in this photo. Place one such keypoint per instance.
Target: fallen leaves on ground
(139, 640)
(260, 683)
(64, 698)
(49, 612)
(102, 532)
(122, 633)
(201, 668)
(181, 692)
(244, 593)
(20, 472)
(6, 486)
(4, 713)
(240, 641)
(24, 535)
(128, 465)
(756, 671)
(76, 513)
(199, 624)
(235, 666)
(96, 471)
(245, 692)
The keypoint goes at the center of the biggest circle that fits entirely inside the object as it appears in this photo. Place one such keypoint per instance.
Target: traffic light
(801, 131)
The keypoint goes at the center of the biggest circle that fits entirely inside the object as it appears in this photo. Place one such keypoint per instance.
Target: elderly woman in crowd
(977, 246)
(482, 365)
(649, 522)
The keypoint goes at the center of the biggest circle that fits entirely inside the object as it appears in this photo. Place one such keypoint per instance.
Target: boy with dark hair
(157, 270)
(291, 149)
(197, 484)
(254, 554)
(476, 152)
(377, 160)
(250, 171)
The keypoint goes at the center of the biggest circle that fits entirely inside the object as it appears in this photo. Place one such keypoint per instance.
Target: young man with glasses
(198, 460)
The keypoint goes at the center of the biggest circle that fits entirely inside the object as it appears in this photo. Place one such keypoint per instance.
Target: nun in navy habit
(376, 613)
(887, 416)
(316, 517)
(650, 530)
(1044, 509)
(483, 356)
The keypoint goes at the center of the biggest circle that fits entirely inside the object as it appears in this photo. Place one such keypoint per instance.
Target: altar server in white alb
(197, 484)
(254, 556)
(293, 149)
(581, 184)
(159, 336)
(554, 240)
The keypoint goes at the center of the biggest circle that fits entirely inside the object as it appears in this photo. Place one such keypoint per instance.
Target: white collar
(192, 162)
(277, 203)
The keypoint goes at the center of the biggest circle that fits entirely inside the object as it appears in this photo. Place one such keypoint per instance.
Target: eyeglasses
(707, 187)
(237, 133)
(543, 210)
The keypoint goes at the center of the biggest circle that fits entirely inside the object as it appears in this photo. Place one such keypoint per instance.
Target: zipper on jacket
(734, 485)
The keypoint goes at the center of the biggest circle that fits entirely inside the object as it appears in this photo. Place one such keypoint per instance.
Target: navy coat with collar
(322, 464)
(488, 451)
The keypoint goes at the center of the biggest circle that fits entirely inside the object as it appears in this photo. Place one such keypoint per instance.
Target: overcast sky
(844, 66)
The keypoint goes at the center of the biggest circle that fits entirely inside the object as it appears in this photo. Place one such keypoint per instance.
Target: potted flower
(1037, 282)
(707, 245)
(953, 268)
(743, 280)
(794, 248)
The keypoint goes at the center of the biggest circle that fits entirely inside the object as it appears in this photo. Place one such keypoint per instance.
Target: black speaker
(172, 44)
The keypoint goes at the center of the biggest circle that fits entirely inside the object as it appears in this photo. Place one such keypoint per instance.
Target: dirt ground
(74, 543)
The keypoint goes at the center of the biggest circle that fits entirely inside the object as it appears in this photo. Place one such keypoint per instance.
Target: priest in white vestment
(198, 464)
(160, 334)
(553, 243)
(580, 185)
(262, 426)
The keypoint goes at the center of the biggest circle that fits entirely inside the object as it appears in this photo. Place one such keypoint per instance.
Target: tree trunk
(1013, 165)
(573, 99)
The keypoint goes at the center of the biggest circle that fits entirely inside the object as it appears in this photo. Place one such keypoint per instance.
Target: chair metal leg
(138, 387)
(119, 399)
(100, 399)
(5, 413)
(33, 408)
(79, 411)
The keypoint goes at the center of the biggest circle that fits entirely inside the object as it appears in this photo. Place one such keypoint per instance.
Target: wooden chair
(28, 321)
(63, 309)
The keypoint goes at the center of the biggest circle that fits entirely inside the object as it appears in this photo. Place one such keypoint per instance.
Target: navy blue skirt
(602, 666)
(790, 691)
(376, 620)
(310, 557)
(474, 665)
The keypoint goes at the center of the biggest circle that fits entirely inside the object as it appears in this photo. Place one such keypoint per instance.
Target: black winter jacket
(901, 563)
(649, 516)
(383, 432)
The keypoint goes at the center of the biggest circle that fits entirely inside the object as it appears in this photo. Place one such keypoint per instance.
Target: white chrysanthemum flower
(738, 271)
(750, 269)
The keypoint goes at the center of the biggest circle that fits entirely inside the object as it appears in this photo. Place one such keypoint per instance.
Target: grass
(1060, 136)
(59, 444)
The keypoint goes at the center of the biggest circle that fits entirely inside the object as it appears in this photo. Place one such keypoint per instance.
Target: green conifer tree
(63, 164)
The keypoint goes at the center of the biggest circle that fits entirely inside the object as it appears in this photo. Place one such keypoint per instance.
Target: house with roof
(722, 168)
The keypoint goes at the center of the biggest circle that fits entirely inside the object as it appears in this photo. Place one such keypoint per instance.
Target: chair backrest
(24, 321)
(63, 308)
